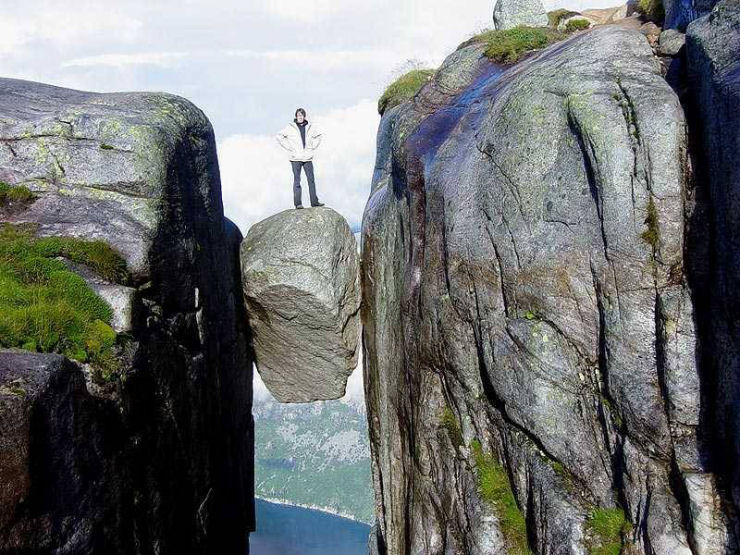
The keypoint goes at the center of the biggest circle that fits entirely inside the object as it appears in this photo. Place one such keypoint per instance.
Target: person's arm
(282, 139)
(317, 136)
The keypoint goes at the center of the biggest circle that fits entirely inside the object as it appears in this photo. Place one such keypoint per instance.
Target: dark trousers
(308, 168)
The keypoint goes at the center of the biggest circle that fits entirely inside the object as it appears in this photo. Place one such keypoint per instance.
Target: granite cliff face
(713, 52)
(535, 258)
(158, 460)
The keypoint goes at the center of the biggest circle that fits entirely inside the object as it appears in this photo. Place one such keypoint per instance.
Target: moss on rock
(10, 194)
(404, 88)
(651, 9)
(510, 45)
(46, 307)
(495, 489)
(577, 25)
(605, 529)
(449, 422)
(652, 234)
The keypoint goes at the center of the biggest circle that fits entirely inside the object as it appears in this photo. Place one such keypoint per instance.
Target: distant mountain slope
(314, 454)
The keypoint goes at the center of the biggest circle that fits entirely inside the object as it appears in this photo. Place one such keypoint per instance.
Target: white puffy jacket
(290, 139)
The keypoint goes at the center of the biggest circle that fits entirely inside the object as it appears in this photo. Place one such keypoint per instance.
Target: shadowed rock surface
(300, 273)
(166, 456)
(525, 286)
(713, 53)
(511, 13)
(679, 13)
(53, 436)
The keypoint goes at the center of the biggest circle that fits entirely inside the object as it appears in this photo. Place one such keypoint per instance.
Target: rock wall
(532, 260)
(679, 13)
(160, 461)
(713, 53)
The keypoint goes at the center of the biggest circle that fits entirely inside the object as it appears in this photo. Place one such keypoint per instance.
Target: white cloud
(320, 60)
(355, 393)
(53, 24)
(312, 10)
(160, 59)
(260, 393)
(256, 175)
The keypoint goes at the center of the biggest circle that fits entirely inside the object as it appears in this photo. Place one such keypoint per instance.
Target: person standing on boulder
(301, 140)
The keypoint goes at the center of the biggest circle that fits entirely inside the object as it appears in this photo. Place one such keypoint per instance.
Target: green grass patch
(45, 307)
(577, 25)
(556, 16)
(652, 234)
(510, 45)
(404, 88)
(18, 193)
(495, 489)
(651, 9)
(449, 422)
(604, 531)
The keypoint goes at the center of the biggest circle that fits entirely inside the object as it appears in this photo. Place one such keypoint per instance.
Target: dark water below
(286, 530)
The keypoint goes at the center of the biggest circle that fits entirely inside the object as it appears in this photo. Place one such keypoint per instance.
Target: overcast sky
(249, 64)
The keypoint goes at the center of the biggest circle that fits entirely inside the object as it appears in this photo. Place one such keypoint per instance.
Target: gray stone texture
(671, 42)
(300, 273)
(512, 13)
(523, 270)
(168, 469)
(713, 57)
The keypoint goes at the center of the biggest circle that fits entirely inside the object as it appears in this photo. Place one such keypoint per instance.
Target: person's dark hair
(300, 110)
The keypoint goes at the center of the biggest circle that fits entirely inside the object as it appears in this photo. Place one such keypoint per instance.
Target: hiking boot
(317, 204)
(298, 206)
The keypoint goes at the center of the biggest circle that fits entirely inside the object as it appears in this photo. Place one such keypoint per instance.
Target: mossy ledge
(404, 88)
(510, 45)
(45, 307)
(495, 489)
(14, 194)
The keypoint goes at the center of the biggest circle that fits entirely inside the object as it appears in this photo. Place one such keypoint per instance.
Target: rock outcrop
(532, 249)
(160, 459)
(713, 53)
(300, 272)
(511, 13)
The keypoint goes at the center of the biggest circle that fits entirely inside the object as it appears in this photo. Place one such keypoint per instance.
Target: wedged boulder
(528, 259)
(139, 172)
(300, 274)
(512, 13)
